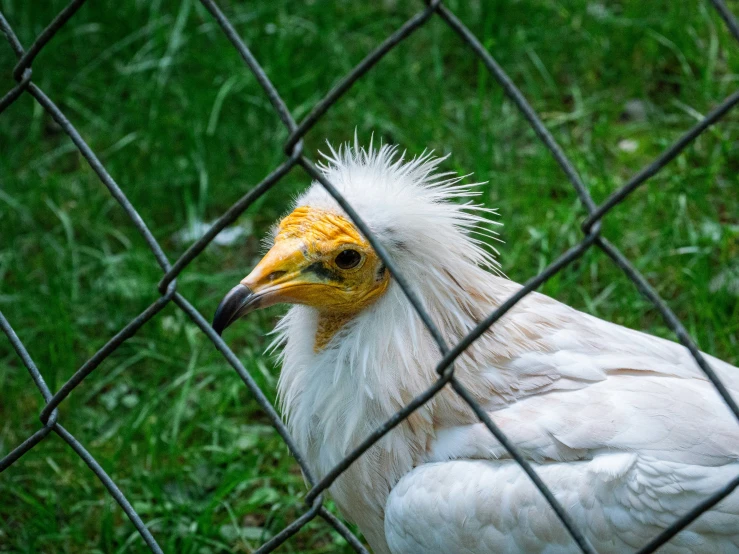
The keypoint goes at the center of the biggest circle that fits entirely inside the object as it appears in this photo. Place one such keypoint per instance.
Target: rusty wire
(23, 74)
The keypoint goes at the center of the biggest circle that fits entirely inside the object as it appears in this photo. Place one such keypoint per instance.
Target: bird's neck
(344, 388)
(328, 324)
(335, 393)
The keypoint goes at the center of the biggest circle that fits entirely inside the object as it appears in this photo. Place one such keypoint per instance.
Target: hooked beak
(239, 301)
(276, 278)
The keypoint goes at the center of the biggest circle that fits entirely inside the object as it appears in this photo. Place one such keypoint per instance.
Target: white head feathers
(413, 209)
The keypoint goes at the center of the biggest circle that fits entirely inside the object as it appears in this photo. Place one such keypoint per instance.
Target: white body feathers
(622, 426)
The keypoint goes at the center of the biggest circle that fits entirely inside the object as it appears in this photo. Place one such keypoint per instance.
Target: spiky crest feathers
(408, 202)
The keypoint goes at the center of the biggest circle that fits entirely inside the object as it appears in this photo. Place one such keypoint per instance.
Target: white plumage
(622, 426)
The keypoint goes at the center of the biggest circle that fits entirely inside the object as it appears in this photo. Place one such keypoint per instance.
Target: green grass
(165, 101)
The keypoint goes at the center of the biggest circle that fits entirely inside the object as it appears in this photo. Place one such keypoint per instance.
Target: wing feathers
(665, 417)
(619, 500)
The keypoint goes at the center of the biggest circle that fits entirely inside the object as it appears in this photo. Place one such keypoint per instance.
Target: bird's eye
(347, 259)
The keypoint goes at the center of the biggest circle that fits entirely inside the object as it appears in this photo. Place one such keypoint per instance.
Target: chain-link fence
(23, 74)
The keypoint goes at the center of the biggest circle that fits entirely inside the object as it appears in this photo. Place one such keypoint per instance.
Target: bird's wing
(620, 501)
(569, 385)
(680, 420)
(542, 345)
(622, 426)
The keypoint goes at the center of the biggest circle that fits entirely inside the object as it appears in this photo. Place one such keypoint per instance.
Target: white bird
(622, 426)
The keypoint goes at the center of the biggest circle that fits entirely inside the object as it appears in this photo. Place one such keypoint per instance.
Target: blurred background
(161, 96)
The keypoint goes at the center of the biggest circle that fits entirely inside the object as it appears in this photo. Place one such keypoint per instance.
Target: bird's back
(623, 427)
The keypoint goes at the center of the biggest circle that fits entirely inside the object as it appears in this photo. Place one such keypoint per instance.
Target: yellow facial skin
(309, 265)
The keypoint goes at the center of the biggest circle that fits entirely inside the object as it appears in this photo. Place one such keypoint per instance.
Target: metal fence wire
(23, 74)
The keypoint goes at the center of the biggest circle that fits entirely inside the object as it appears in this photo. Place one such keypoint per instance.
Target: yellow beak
(278, 277)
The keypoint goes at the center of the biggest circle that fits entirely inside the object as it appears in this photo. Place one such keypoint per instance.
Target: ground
(158, 92)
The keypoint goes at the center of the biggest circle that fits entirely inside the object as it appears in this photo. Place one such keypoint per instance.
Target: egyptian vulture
(622, 426)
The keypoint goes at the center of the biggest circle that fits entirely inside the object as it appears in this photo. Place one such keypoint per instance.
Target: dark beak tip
(229, 308)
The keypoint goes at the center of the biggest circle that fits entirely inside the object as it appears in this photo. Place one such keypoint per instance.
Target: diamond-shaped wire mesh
(23, 74)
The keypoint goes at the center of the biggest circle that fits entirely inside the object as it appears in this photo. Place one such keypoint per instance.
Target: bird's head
(320, 259)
